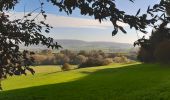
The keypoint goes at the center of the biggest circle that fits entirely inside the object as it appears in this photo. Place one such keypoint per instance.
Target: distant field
(113, 82)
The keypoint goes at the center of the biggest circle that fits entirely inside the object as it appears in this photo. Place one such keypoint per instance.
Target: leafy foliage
(162, 53)
(105, 9)
(153, 48)
(12, 33)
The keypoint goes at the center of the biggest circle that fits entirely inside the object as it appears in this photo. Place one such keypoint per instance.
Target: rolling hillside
(77, 45)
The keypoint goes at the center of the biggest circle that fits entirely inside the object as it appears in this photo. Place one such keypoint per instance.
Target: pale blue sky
(80, 29)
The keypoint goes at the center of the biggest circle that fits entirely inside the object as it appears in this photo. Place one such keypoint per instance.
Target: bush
(66, 67)
(121, 59)
(107, 61)
(162, 52)
(79, 59)
(91, 62)
(61, 59)
(44, 59)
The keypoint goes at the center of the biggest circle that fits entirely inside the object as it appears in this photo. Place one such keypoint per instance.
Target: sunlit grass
(113, 82)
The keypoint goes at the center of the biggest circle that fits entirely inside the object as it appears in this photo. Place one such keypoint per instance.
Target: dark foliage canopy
(14, 32)
(160, 35)
(27, 31)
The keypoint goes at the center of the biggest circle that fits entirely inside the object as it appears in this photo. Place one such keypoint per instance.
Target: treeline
(157, 47)
(82, 58)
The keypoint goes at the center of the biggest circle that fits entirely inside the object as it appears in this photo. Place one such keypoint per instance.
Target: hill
(77, 45)
(113, 82)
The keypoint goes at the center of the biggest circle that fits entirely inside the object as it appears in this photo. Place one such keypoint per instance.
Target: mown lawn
(113, 82)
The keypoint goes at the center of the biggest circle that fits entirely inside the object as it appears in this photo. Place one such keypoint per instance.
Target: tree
(27, 31)
(80, 59)
(83, 52)
(168, 7)
(150, 49)
(62, 58)
(162, 53)
(91, 62)
(12, 33)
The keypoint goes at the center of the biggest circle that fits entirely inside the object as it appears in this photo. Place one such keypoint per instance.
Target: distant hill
(77, 45)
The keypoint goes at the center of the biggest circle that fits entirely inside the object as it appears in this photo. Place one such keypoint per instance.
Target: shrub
(107, 61)
(91, 62)
(61, 59)
(43, 59)
(66, 67)
(121, 59)
(162, 52)
(80, 59)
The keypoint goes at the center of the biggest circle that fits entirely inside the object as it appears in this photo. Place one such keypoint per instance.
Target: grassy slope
(114, 82)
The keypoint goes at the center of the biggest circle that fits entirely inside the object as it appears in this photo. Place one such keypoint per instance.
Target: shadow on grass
(133, 82)
(53, 72)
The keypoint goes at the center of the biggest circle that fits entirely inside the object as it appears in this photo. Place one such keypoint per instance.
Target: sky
(85, 28)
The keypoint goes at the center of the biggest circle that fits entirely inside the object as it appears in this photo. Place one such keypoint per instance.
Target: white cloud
(72, 22)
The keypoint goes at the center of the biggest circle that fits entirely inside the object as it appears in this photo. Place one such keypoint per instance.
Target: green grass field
(113, 82)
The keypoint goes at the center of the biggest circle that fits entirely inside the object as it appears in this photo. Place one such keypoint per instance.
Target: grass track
(113, 82)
